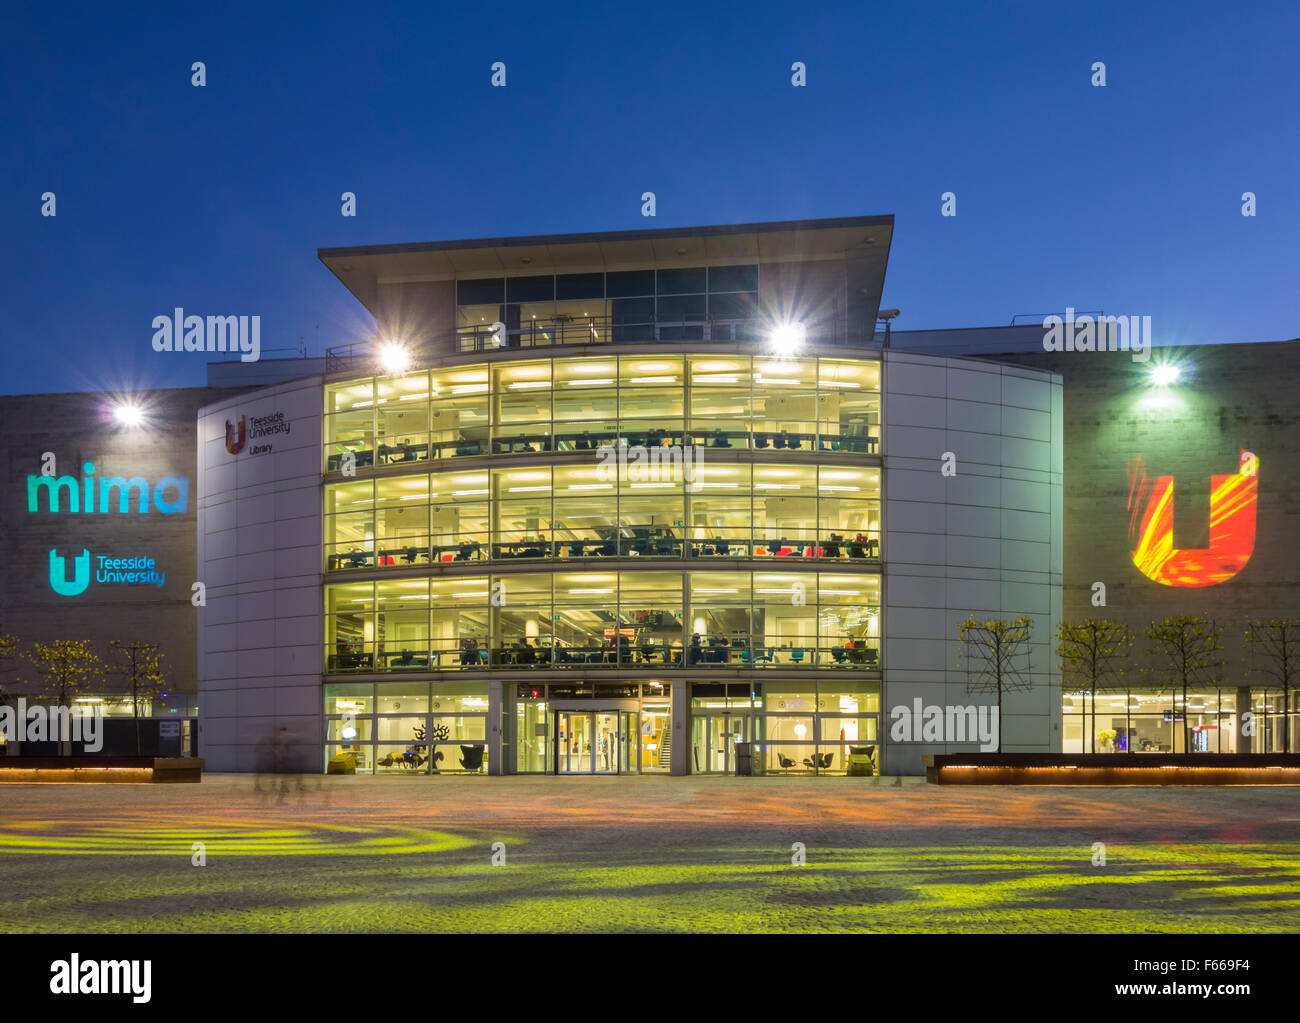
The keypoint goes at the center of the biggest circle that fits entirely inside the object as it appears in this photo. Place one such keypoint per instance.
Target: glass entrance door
(573, 734)
(594, 742)
(713, 741)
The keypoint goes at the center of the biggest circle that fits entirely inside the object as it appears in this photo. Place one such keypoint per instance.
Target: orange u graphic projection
(1232, 526)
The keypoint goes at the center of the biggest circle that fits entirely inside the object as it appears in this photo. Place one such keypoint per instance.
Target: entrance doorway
(595, 742)
(714, 738)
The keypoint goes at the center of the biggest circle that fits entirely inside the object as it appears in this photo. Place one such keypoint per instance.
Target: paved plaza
(347, 854)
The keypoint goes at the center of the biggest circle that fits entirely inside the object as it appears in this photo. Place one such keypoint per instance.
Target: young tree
(1274, 645)
(65, 669)
(140, 667)
(1185, 649)
(8, 651)
(997, 657)
(1093, 654)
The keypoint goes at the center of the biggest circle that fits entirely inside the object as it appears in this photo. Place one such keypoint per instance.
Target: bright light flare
(393, 357)
(128, 414)
(788, 338)
(1164, 375)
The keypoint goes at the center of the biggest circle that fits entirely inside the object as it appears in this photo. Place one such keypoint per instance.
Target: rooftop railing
(569, 331)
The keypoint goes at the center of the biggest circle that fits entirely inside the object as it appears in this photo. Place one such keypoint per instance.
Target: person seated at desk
(524, 652)
(468, 652)
(856, 547)
(696, 652)
(719, 647)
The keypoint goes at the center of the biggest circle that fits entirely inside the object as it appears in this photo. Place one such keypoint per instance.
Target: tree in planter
(1093, 654)
(1274, 646)
(64, 670)
(140, 667)
(1185, 649)
(997, 657)
(423, 739)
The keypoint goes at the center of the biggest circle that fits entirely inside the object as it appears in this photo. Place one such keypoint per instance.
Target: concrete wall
(421, 312)
(1230, 398)
(986, 541)
(259, 550)
(77, 428)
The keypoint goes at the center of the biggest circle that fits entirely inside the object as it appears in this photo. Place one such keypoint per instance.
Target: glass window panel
(402, 697)
(733, 278)
(573, 374)
(682, 282)
(350, 498)
(581, 321)
(349, 729)
(461, 729)
(353, 428)
(487, 291)
(478, 315)
(539, 288)
(632, 310)
(656, 373)
(579, 286)
(402, 491)
(406, 391)
(733, 307)
(629, 283)
(348, 396)
(349, 698)
(712, 371)
(690, 308)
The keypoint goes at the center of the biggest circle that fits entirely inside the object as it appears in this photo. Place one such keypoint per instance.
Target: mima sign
(171, 494)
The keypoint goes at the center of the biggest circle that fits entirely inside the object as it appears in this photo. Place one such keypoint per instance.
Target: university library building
(663, 502)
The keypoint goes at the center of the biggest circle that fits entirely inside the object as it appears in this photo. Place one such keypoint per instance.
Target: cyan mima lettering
(81, 493)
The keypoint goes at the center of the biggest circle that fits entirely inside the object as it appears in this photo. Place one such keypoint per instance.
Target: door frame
(590, 709)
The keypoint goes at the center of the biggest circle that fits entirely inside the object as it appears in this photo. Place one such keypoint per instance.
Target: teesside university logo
(236, 438)
(1232, 526)
(114, 495)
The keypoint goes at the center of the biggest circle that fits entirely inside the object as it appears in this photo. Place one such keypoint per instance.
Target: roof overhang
(865, 240)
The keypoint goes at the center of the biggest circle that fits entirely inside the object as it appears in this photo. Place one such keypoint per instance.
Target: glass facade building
(590, 550)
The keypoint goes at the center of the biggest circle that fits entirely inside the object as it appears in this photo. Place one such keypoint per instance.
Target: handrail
(567, 331)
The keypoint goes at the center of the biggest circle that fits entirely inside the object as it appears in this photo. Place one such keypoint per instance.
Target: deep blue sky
(1125, 198)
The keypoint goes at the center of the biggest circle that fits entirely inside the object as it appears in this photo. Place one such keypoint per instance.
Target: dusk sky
(1125, 198)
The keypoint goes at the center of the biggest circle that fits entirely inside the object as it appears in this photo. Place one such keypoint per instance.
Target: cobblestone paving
(645, 854)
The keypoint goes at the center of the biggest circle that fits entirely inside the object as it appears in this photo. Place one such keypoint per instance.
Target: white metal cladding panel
(982, 542)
